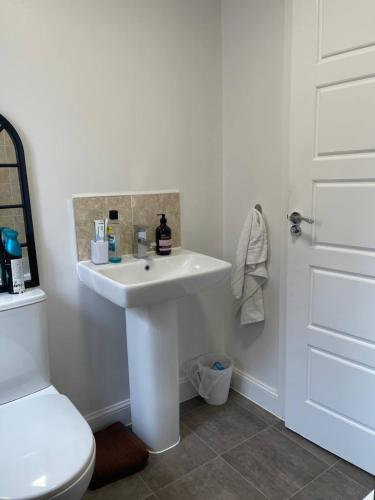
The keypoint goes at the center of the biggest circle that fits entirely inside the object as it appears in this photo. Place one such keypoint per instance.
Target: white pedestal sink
(148, 289)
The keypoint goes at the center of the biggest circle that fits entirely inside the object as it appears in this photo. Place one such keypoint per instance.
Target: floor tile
(191, 404)
(256, 410)
(275, 464)
(166, 467)
(129, 488)
(223, 427)
(364, 478)
(332, 485)
(320, 453)
(212, 481)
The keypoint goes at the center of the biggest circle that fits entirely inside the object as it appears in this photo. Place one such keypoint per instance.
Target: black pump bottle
(163, 237)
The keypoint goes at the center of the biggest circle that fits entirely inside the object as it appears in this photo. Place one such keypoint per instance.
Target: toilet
(47, 449)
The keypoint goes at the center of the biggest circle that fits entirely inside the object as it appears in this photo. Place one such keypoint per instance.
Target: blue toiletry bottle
(113, 235)
(13, 261)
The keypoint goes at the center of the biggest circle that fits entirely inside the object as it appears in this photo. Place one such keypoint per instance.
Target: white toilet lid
(45, 444)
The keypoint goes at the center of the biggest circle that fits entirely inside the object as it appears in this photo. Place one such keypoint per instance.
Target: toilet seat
(46, 445)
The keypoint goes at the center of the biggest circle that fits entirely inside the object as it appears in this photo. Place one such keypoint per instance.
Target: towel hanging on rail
(250, 271)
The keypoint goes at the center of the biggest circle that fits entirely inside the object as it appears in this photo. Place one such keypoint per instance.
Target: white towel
(250, 272)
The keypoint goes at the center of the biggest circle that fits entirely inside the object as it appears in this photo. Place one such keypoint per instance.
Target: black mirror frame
(29, 230)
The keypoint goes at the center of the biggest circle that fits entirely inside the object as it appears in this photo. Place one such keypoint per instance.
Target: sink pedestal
(152, 340)
(148, 291)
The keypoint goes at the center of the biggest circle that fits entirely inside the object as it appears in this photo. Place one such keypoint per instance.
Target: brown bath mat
(119, 453)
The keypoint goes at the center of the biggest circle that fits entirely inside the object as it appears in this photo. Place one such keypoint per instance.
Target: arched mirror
(15, 209)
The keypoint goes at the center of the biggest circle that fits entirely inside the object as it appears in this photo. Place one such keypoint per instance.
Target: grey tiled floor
(239, 451)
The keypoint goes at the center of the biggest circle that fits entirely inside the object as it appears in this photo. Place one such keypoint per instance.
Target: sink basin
(147, 289)
(140, 282)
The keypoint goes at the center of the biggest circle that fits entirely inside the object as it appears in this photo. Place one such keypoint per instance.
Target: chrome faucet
(141, 245)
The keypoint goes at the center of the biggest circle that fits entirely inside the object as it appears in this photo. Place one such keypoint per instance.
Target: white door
(330, 365)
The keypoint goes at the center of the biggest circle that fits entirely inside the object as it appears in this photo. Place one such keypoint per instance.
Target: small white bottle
(113, 235)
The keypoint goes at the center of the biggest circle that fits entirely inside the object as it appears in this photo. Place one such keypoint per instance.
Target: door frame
(285, 167)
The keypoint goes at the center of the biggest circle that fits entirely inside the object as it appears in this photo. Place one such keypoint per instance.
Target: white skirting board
(265, 396)
(120, 412)
(260, 393)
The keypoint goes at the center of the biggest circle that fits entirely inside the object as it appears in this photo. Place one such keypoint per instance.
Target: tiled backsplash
(132, 209)
(10, 193)
(7, 150)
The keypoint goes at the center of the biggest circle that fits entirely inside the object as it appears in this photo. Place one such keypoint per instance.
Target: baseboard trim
(120, 412)
(187, 391)
(250, 387)
(257, 391)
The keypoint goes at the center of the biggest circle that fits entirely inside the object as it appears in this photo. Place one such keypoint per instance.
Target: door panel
(340, 301)
(326, 370)
(338, 223)
(345, 114)
(330, 365)
(340, 20)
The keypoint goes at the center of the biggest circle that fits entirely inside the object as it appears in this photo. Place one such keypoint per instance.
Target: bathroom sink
(147, 289)
(140, 282)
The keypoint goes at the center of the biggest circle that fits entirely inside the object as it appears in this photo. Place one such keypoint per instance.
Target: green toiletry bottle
(113, 235)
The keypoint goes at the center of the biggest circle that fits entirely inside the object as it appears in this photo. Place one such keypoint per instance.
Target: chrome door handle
(296, 218)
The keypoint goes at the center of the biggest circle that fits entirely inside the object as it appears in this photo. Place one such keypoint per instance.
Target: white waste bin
(211, 383)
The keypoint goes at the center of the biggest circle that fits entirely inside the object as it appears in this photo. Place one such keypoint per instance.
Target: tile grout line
(203, 406)
(273, 426)
(256, 416)
(268, 427)
(308, 451)
(220, 455)
(238, 444)
(353, 480)
(245, 478)
(330, 466)
(245, 440)
(147, 486)
(194, 468)
(217, 457)
(312, 480)
(185, 475)
(204, 442)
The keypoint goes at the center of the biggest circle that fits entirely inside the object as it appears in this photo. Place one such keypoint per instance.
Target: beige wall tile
(147, 206)
(5, 193)
(133, 209)
(19, 226)
(15, 186)
(7, 150)
(13, 218)
(10, 192)
(86, 210)
(11, 212)
(4, 175)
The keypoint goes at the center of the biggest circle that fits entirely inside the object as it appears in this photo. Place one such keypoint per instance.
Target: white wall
(110, 96)
(136, 95)
(254, 143)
